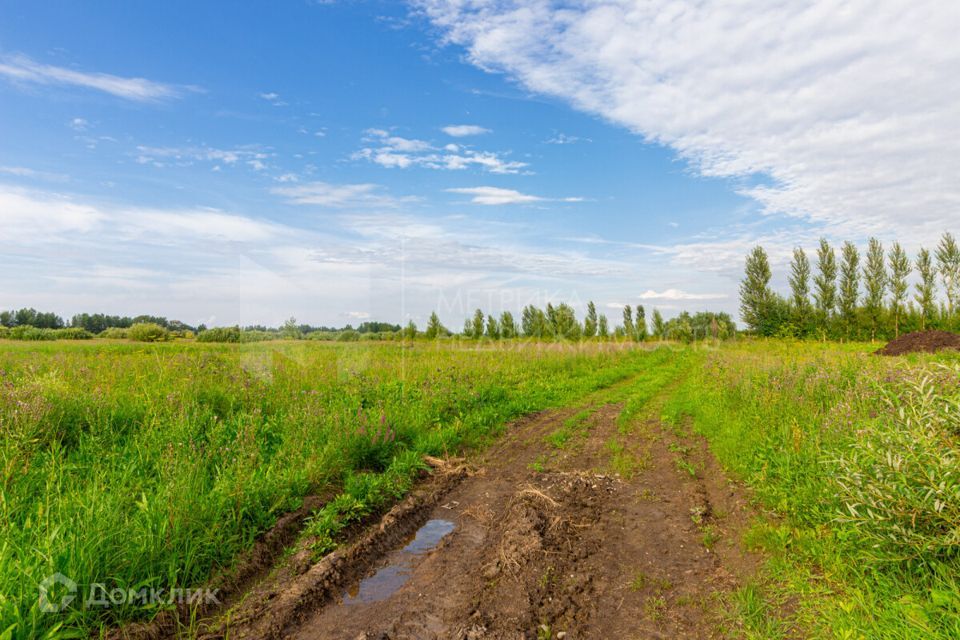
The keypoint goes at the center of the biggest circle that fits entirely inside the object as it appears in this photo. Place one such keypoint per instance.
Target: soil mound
(921, 341)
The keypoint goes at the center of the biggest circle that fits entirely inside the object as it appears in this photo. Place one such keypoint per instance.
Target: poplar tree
(899, 271)
(434, 328)
(659, 326)
(849, 285)
(948, 263)
(800, 288)
(755, 293)
(825, 283)
(874, 284)
(508, 327)
(478, 323)
(641, 323)
(603, 329)
(493, 328)
(590, 321)
(628, 321)
(926, 288)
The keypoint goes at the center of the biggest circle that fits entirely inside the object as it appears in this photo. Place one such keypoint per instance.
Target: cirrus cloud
(22, 69)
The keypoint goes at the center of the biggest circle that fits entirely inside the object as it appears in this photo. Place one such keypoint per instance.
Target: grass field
(155, 465)
(152, 466)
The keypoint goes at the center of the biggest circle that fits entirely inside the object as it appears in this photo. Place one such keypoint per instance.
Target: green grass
(153, 466)
(857, 457)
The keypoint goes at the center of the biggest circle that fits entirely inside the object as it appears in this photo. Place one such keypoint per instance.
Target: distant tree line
(859, 297)
(98, 323)
(560, 323)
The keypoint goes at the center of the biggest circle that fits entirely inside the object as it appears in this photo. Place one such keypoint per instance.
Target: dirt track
(534, 542)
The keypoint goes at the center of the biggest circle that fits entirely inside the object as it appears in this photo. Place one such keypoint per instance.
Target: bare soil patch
(921, 341)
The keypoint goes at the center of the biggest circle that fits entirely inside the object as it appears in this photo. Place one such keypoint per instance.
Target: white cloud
(498, 196)
(196, 262)
(273, 98)
(395, 152)
(338, 196)
(562, 138)
(463, 130)
(79, 124)
(26, 172)
(25, 215)
(22, 69)
(678, 294)
(187, 156)
(852, 109)
(495, 195)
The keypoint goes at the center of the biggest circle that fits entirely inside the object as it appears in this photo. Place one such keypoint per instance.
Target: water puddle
(388, 579)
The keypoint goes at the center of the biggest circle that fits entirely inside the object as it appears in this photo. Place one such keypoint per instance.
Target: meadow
(155, 465)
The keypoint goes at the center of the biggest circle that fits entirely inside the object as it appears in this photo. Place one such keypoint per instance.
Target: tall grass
(856, 456)
(154, 465)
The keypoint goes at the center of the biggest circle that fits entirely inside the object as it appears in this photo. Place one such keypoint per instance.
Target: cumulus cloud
(22, 69)
(396, 152)
(498, 196)
(851, 110)
(464, 130)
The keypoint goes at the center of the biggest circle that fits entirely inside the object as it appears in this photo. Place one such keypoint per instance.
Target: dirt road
(574, 525)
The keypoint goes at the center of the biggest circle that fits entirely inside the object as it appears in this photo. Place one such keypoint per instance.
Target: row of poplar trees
(560, 321)
(856, 297)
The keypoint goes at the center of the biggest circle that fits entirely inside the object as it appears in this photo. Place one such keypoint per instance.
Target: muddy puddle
(400, 565)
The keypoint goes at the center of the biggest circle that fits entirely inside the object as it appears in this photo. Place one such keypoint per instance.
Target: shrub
(258, 336)
(27, 332)
(348, 336)
(72, 333)
(220, 334)
(114, 333)
(4, 332)
(148, 332)
(900, 483)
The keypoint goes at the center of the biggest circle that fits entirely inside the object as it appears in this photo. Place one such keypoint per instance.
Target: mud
(921, 341)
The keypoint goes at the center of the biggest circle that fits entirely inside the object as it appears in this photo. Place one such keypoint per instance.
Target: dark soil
(921, 342)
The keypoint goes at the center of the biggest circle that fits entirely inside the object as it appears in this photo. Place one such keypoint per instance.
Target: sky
(339, 161)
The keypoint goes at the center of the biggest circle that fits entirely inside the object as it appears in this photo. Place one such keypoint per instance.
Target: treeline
(857, 297)
(30, 324)
(560, 322)
(92, 322)
(555, 322)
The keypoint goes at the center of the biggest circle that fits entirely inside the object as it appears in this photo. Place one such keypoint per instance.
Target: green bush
(148, 332)
(900, 480)
(348, 336)
(114, 333)
(220, 334)
(4, 333)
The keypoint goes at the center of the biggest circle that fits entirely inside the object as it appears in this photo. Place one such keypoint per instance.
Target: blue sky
(337, 161)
